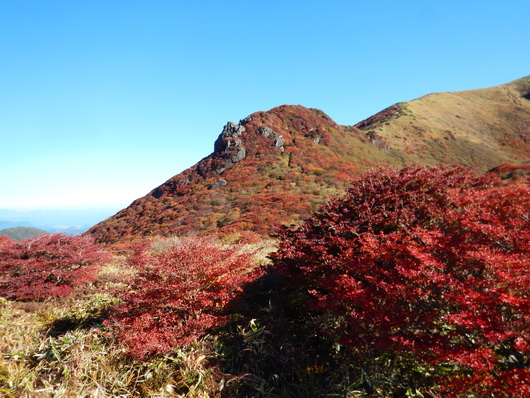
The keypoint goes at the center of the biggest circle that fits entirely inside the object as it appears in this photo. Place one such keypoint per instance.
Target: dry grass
(261, 249)
(482, 128)
(58, 348)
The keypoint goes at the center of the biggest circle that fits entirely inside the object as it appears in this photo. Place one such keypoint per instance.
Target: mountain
(278, 166)
(21, 233)
(72, 220)
(13, 224)
(68, 230)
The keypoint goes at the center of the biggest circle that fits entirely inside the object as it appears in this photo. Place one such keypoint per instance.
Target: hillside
(21, 233)
(479, 127)
(278, 166)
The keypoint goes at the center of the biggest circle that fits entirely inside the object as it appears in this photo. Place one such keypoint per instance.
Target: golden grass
(483, 128)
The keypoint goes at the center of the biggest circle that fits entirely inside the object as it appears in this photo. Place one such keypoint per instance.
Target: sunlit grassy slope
(482, 128)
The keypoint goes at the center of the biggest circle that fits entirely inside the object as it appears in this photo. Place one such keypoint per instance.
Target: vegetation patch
(427, 268)
(47, 266)
(415, 283)
(178, 293)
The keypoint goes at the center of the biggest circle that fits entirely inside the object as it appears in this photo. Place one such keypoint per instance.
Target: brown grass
(482, 128)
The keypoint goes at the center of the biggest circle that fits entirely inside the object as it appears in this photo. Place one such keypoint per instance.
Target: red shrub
(4, 239)
(433, 263)
(46, 266)
(178, 294)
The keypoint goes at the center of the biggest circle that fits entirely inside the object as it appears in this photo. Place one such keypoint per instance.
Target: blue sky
(103, 100)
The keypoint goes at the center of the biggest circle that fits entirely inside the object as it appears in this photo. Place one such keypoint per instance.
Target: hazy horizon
(60, 217)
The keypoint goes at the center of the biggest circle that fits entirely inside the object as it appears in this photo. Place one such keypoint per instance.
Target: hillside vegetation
(413, 284)
(20, 233)
(277, 167)
(388, 274)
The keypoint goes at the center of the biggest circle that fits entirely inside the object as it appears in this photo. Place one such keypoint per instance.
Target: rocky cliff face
(229, 145)
(278, 166)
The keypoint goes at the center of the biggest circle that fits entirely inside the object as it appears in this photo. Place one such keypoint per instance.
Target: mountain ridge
(22, 232)
(278, 166)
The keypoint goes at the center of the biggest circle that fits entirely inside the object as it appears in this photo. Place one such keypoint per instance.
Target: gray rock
(246, 120)
(229, 147)
(221, 182)
(314, 135)
(278, 140)
(378, 141)
(229, 133)
(267, 132)
(240, 153)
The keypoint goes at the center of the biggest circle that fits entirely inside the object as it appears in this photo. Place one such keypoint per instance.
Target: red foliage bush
(47, 266)
(430, 263)
(4, 239)
(178, 293)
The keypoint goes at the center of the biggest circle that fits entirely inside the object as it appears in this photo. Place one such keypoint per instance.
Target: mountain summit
(278, 166)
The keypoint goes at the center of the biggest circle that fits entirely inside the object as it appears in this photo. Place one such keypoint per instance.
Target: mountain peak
(278, 166)
(266, 131)
(522, 86)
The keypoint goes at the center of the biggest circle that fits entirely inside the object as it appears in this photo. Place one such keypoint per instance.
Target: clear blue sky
(103, 100)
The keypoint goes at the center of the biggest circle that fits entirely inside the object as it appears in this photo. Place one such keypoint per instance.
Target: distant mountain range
(10, 225)
(68, 220)
(21, 233)
(278, 166)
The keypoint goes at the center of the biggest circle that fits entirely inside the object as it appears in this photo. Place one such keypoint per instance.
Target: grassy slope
(484, 127)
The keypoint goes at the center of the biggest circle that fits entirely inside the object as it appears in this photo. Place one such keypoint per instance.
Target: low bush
(56, 348)
(428, 264)
(178, 294)
(4, 240)
(47, 266)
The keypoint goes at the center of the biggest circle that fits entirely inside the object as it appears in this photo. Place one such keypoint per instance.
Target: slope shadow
(62, 326)
(275, 347)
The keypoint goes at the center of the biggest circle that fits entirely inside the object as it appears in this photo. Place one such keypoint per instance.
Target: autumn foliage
(269, 186)
(432, 264)
(4, 239)
(46, 266)
(178, 294)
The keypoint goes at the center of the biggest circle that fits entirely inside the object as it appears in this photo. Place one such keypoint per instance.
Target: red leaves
(429, 262)
(46, 266)
(178, 294)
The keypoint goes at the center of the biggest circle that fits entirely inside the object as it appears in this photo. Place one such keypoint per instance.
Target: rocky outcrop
(221, 182)
(277, 139)
(229, 146)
